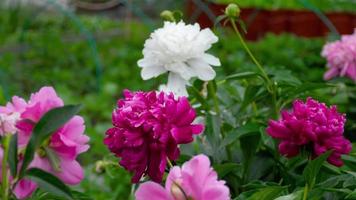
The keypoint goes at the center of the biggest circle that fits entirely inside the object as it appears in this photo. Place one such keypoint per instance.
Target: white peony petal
(202, 69)
(152, 71)
(210, 59)
(145, 62)
(177, 85)
(173, 46)
(181, 69)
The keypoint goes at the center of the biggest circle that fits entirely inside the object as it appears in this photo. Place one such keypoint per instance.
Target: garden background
(88, 50)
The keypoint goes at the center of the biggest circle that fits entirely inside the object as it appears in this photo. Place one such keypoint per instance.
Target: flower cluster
(341, 57)
(314, 125)
(179, 49)
(195, 180)
(148, 127)
(66, 143)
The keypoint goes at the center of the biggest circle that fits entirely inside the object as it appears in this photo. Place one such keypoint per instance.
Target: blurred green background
(91, 57)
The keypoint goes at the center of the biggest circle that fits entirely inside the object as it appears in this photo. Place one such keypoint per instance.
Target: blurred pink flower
(66, 143)
(341, 57)
(8, 123)
(195, 180)
(148, 127)
(311, 124)
(10, 114)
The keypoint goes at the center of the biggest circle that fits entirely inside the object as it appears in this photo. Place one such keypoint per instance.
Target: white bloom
(8, 123)
(179, 49)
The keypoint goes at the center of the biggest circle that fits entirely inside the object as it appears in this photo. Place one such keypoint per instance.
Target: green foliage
(13, 153)
(49, 182)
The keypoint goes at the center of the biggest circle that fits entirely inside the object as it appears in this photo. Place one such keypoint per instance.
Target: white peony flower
(179, 49)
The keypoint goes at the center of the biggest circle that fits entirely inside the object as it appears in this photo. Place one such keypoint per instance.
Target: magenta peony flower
(341, 57)
(314, 125)
(195, 180)
(148, 127)
(66, 144)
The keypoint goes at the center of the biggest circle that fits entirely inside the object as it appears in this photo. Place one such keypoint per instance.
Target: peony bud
(232, 10)
(167, 15)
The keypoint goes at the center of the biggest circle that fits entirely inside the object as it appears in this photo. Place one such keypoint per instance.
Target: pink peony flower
(148, 127)
(314, 125)
(195, 180)
(66, 144)
(341, 57)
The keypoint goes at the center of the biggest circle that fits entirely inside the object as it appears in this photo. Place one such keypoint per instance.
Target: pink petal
(152, 191)
(24, 188)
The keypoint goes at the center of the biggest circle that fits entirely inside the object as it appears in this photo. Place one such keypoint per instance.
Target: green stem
(169, 163)
(264, 74)
(270, 85)
(306, 191)
(212, 91)
(5, 178)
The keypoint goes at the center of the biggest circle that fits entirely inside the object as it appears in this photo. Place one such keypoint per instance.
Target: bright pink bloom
(148, 127)
(341, 57)
(195, 180)
(67, 143)
(314, 125)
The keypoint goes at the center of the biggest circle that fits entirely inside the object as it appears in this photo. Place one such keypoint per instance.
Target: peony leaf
(297, 195)
(243, 75)
(235, 134)
(48, 124)
(49, 183)
(13, 159)
(267, 193)
(312, 169)
(226, 168)
(249, 145)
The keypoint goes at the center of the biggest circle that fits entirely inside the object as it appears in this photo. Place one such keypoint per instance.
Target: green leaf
(249, 144)
(219, 19)
(267, 193)
(226, 168)
(312, 169)
(48, 124)
(53, 159)
(250, 94)
(49, 183)
(242, 75)
(234, 135)
(351, 195)
(13, 159)
(297, 195)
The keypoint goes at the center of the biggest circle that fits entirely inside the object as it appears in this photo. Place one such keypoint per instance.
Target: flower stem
(169, 163)
(212, 92)
(5, 178)
(306, 190)
(270, 85)
(259, 66)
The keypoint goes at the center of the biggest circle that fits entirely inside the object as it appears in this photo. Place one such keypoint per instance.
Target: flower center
(178, 192)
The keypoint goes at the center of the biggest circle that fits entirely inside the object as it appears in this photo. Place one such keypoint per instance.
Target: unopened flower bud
(232, 10)
(99, 166)
(167, 15)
